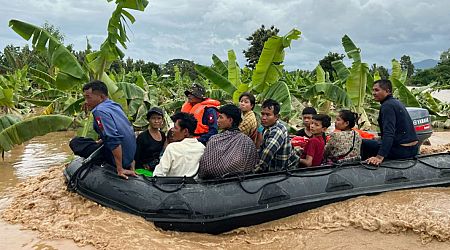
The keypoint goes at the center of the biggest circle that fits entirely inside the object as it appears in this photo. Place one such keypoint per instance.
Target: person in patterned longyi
(231, 151)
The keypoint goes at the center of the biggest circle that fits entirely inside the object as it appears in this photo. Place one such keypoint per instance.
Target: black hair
(348, 116)
(384, 84)
(309, 111)
(324, 119)
(232, 111)
(185, 120)
(251, 98)
(96, 86)
(272, 104)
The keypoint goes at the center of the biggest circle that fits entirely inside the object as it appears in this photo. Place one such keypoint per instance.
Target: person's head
(247, 101)
(270, 112)
(319, 124)
(307, 115)
(346, 120)
(155, 118)
(184, 126)
(381, 89)
(195, 94)
(229, 116)
(94, 93)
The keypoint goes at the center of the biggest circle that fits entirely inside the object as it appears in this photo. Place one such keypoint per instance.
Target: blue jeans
(370, 148)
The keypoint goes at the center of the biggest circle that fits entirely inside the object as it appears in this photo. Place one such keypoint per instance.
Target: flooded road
(57, 219)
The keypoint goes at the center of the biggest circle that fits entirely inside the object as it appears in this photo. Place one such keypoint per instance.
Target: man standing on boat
(204, 110)
(398, 136)
(276, 151)
(113, 127)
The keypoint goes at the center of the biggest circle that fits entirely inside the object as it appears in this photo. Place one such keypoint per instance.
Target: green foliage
(99, 61)
(20, 132)
(326, 64)
(70, 73)
(406, 65)
(269, 68)
(257, 41)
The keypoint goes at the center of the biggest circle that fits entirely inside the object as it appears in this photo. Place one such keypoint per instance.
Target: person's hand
(376, 160)
(124, 173)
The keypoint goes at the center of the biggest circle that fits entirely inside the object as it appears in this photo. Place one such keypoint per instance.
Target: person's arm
(112, 140)
(273, 145)
(389, 120)
(163, 168)
(310, 152)
(210, 119)
(306, 162)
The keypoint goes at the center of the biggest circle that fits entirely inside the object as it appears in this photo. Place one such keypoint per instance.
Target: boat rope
(241, 180)
(72, 184)
(155, 179)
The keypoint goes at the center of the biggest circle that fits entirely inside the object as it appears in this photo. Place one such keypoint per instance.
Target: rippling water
(411, 219)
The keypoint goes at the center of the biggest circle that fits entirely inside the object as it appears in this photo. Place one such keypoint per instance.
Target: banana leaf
(141, 116)
(6, 97)
(342, 71)
(269, 67)
(350, 48)
(70, 72)
(234, 72)
(220, 66)
(356, 84)
(37, 102)
(404, 94)
(280, 93)
(7, 121)
(396, 71)
(27, 129)
(74, 108)
(42, 78)
(320, 74)
(101, 60)
(49, 94)
(241, 89)
(329, 91)
(216, 78)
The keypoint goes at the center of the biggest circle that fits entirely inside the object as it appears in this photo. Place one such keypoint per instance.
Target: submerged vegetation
(40, 88)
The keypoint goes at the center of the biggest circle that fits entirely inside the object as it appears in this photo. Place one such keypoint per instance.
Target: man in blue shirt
(398, 136)
(113, 127)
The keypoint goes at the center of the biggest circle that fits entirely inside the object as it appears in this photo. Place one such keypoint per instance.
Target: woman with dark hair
(249, 125)
(345, 143)
(150, 143)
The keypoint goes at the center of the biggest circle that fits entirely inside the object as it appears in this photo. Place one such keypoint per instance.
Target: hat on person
(154, 110)
(196, 90)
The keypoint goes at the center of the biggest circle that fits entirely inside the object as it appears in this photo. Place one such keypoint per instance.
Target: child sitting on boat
(314, 149)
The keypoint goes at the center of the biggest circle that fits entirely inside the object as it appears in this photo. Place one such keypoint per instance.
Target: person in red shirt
(313, 153)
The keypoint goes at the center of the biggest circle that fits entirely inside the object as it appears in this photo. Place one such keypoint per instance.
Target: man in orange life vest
(204, 110)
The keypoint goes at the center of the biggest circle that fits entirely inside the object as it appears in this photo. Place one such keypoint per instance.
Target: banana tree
(16, 132)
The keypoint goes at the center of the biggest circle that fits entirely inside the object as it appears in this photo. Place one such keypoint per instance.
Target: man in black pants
(398, 136)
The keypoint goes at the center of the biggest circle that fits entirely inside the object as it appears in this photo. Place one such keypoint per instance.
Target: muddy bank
(420, 217)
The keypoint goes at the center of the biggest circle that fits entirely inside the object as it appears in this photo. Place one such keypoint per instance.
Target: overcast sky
(196, 29)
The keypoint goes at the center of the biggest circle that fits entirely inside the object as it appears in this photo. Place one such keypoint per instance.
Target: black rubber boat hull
(217, 206)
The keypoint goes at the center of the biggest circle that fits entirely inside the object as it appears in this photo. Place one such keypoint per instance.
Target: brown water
(57, 219)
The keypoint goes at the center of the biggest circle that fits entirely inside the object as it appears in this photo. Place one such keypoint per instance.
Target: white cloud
(196, 29)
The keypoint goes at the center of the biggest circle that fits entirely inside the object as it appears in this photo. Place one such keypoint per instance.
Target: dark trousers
(84, 147)
(370, 148)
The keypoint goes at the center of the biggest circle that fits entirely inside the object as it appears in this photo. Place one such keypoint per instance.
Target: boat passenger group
(193, 147)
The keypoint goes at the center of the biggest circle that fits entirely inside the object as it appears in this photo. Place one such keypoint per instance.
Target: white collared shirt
(180, 158)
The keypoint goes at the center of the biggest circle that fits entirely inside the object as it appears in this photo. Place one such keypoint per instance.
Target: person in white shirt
(181, 158)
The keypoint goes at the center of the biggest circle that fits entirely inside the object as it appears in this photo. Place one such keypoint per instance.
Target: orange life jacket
(198, 110)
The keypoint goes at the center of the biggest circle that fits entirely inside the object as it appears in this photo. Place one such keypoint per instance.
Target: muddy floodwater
(37, 212)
